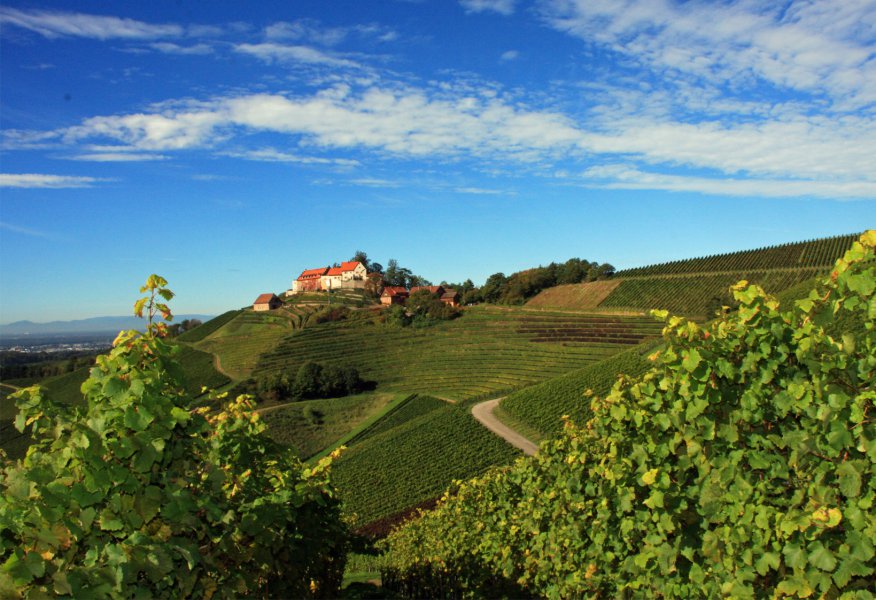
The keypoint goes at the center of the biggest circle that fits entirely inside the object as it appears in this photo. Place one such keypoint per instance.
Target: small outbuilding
(435, 290)
(267, 302)
(393, 295)
(450, 297)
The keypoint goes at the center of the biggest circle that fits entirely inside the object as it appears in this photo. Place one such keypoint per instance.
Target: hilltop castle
(350, 275)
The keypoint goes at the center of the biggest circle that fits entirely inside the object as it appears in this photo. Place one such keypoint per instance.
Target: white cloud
(272, 155)
(54, 24)
(375, 182)
(23, 230)
(821, 47)
(630, 177)
(271, 52)
(171, 48)
(503, 7)
(509, 55)
(478, 191)
(312, 31)
(117, 157)
(35, 180)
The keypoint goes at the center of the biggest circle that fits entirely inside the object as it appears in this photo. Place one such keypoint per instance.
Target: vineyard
(813, 254)
(691, 294)
(739, 463)
(309, 426)
(697, 287)
(416, 460)
(241, 340)
(543, 406)
(487, 350)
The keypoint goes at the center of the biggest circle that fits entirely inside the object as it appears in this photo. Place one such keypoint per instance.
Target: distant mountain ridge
(91, 325)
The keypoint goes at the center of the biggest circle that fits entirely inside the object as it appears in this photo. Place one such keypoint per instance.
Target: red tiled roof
(449, 294)
(312, 273)
(350, 266)
(264, 298)
(335, 271)
(395, 291)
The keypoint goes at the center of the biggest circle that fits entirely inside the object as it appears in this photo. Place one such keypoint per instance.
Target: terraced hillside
(697, 286)
(813, 254)
(416, 460)
(238, 343)
(486, 351)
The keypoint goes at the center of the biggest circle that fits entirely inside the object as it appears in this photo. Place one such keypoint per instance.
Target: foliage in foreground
(134, 495)
(743, 464)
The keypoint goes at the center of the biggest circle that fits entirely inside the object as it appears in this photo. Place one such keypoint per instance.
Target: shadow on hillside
(458, 579)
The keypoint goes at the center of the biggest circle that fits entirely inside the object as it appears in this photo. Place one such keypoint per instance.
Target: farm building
(267, 302)
(310, 280)
(393, 295)
(435, 290)
(350, 275)
(450, 297)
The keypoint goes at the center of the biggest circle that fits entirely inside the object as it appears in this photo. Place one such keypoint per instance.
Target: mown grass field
(240, 341)
(310, 426)
(487, 350)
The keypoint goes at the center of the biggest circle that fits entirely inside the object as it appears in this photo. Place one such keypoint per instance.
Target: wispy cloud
(503, 7)
(375, 182)
(272, 155)
(117, 157)
(630, 177)
(24, 230)
(313, 32)
(819, 47)
(271, 52)
(55, 24)
(480, 191)
(171, 48)
(36, 180)
(509, 55)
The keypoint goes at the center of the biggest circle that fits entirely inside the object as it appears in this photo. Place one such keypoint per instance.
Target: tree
(137, 494)
(361, 257)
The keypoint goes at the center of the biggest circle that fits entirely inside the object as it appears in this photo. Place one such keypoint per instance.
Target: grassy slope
(580, 296)
(199, 333)
(332, 418)
(487, 350)
(240, 341)
(415, 461)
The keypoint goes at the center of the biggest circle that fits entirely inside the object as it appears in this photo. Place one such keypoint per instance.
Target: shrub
(136, 495)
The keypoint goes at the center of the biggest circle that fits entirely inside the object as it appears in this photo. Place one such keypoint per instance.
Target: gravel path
(483, 412)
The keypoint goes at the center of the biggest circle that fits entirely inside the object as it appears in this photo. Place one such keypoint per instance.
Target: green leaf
(692, 360)
(767, 561)
(821, 557)
(849, 479)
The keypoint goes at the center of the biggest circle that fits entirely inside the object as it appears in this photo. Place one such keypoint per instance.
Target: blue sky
(229, 145)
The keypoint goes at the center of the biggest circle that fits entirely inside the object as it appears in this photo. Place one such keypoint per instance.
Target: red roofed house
(310, 280)
(267, 302)
(393, 295)
(435, 290)
(450, 297)
(350, 275)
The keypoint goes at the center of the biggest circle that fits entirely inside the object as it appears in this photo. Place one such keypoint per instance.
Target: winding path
(483, 412)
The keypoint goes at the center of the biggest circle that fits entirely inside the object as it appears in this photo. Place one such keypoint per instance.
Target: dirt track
(483, 412)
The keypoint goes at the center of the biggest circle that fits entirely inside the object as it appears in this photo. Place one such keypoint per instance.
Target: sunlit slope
(487, 350)
(240, 341)
(694, 286)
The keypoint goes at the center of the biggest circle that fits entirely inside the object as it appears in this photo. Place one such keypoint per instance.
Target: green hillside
(541, 407)
(485, 351)
(820, 253)
(415, 461)
(697, 287)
